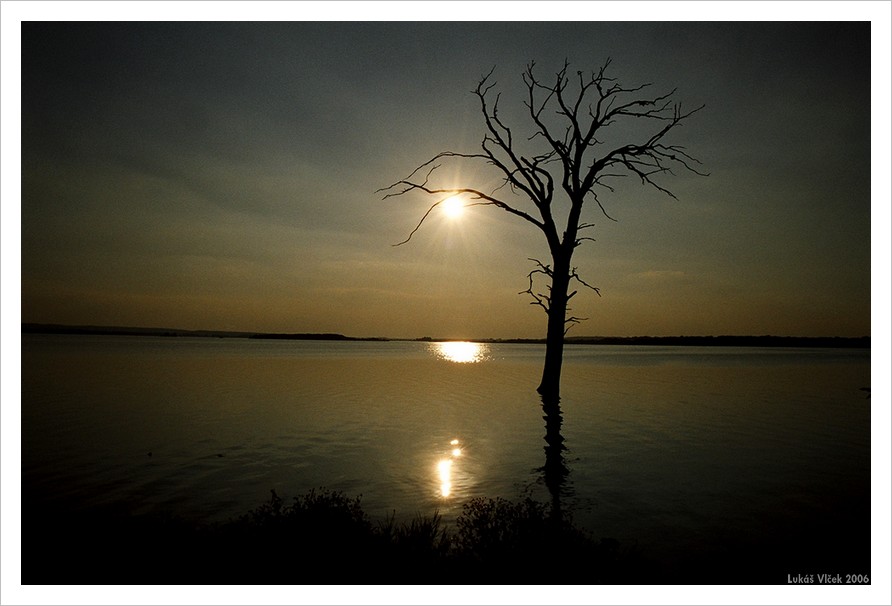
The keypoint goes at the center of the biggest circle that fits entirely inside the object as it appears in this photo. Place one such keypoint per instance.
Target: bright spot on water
(444, 468)
(461, 351)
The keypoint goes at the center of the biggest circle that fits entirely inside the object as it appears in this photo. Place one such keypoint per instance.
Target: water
(676, 451)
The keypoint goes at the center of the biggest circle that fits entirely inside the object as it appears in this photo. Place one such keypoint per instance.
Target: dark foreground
(321, 538)
(325, 538)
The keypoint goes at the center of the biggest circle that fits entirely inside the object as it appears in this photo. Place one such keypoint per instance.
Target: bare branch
(406, 180)
(571, 322)
(412, 233)
(575, 276)
(649, 158)
(404, 186)
(540, 299)
(601, 206)
(500, 136)
(581, 239)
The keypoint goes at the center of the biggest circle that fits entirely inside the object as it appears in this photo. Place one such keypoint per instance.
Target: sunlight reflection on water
(445, 466)
(462, 352)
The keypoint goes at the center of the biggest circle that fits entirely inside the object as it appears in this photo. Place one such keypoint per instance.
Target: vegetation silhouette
(322, 537)
(572, 153)
(325, 538)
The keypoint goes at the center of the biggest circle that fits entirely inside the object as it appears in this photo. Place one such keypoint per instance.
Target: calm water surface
(669, 448)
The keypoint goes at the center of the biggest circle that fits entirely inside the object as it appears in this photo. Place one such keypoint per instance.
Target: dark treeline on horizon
(728, 341)
(681, 340)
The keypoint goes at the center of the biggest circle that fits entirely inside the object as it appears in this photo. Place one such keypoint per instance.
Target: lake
(683, 454)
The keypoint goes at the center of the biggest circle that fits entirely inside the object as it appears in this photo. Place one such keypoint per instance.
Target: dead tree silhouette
(568, 123)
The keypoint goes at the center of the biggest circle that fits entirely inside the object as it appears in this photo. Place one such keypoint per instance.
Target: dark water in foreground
(683, 454)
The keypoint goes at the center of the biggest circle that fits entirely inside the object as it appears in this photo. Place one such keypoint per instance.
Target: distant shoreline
(699, 341)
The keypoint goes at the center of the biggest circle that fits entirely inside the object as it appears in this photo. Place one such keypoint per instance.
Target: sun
(453, 207)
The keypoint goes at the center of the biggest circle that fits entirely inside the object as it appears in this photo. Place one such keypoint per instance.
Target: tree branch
(540, 299)
(407, 185)
(575, 276)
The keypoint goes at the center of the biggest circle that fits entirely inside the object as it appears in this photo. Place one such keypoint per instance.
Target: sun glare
(453, 207)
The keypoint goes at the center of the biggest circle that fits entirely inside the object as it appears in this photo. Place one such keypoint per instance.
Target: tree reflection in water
(555, 472)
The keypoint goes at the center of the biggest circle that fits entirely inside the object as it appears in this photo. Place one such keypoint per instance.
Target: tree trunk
(550, 385)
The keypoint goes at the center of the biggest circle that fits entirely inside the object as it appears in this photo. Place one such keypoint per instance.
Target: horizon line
(52, 327)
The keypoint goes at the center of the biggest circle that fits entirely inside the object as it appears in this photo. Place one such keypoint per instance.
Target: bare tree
(570, 118)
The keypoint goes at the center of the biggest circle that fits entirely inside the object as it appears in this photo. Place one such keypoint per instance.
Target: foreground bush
(500, 541)
(322, 537)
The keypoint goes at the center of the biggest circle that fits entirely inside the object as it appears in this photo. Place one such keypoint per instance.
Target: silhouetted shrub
(323, 537)
(501, 541)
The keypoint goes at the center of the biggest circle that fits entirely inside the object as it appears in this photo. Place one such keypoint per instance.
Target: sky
(225, 176)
